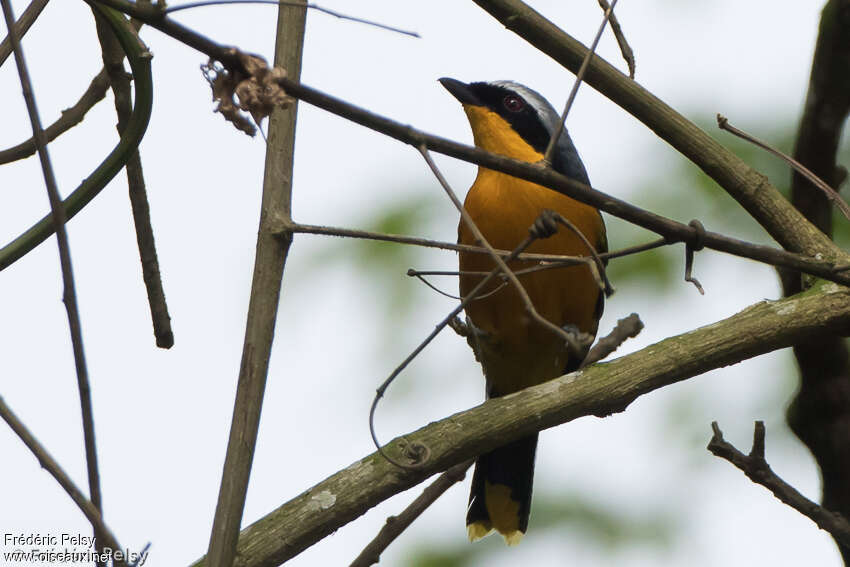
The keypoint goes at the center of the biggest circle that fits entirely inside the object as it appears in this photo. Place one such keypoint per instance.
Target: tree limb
(113, 63)
(597, 390)
(22, 26)
(820, 412)
(757, 470)
(269, 261)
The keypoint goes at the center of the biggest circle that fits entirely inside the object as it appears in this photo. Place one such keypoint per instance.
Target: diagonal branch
(571, 340)
(597, 390)
(22, 26)
(113, 63)
(751, 189)
(139, 59)
(50, 465)
(757, 470)
(395, 525)
(72, 116)
(556, 136)
(69, 294)
(828, 192)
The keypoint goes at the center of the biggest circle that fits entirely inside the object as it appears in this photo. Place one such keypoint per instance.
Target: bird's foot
(545, 225)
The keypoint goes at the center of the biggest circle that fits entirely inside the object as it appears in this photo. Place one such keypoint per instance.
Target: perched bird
(515, 351)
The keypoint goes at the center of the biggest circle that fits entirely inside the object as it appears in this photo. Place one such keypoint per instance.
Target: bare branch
(625, 48)
(269, 262)
(627, 328)
(726, 165)
(113, 61)
(69, 295)
(95, 93)
(22, 26)
(48, 463)
(553, 140)
(139, 59)
(763, 201)
(817, 414)
(395, 525)
(757, 470)
(412, 453)
(574, 343)
(600, 390)
(828, 191)
(316, 7)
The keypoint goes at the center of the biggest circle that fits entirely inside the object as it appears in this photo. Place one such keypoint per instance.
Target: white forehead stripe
(547, 114)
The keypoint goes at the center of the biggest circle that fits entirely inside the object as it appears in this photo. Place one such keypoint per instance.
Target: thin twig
(312, 6)
(571, 340)
(47, 462)
(416, 460)
(421, 277)
(139, 59)
(756, 468)
(22, 26)
(626, 328)
(70, 117)
(605, 283)
(395, 525)
(298, 228)
(553, 141)
(69, 296)
(625, 48)
(113, 60)
(828, 191)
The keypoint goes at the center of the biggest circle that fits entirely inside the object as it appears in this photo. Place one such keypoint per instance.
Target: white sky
(162, 417)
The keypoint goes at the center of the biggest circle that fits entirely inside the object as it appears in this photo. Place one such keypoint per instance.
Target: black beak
(460, 91)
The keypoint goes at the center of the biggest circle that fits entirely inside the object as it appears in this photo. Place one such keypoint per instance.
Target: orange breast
(518, 351)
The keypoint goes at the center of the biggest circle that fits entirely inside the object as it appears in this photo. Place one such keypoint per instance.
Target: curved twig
(95, 93)
(139, 59)
(22, 26)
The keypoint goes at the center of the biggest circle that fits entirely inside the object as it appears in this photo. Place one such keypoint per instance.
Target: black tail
(501, 491)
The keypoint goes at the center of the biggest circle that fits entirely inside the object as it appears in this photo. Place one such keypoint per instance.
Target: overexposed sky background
(163, 417)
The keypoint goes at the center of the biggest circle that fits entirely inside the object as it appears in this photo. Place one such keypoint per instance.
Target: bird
(514, 350)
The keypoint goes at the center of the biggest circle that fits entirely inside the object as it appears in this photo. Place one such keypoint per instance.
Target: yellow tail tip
(477, 530)
(513, 538)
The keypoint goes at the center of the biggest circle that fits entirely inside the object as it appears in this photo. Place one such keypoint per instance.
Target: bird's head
(511, 119)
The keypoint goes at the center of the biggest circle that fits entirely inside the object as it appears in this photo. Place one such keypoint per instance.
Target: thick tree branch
(750, 188)
(820, 412)
(597, 390)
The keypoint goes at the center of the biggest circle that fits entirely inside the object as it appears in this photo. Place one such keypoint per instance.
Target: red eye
(513, 103)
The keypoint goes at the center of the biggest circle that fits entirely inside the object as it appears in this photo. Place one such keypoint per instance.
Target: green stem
(139, 59)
